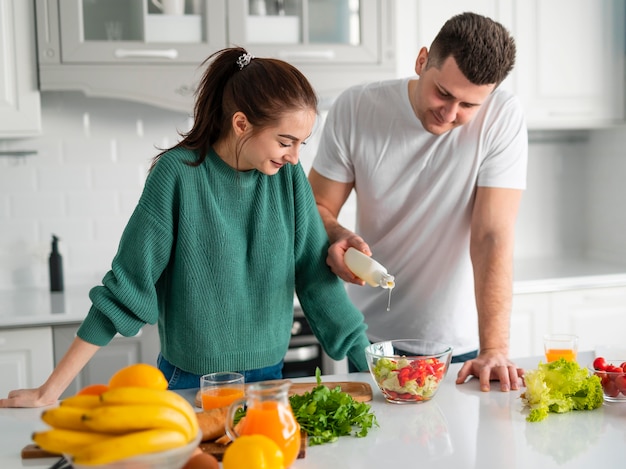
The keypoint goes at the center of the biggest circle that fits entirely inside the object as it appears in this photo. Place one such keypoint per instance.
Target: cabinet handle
(307, 55)
(164, 53)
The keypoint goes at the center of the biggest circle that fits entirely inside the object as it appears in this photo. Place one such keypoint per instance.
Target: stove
(305, 353)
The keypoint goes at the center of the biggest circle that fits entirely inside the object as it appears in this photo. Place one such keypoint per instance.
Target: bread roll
(212, 423)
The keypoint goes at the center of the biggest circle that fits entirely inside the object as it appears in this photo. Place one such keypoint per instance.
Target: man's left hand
(491, 366)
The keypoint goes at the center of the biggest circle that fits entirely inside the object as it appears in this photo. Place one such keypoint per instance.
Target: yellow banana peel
(144, 396)
(117, 419)
(83, 401)
(129, 445)
(60, 441)
(68, 418)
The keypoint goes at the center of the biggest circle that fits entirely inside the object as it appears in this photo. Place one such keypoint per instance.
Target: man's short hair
(482, 48)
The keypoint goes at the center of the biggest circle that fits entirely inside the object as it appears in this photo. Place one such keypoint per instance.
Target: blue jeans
(179, 379)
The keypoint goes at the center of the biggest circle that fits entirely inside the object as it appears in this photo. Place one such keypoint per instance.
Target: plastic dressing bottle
(368, 270)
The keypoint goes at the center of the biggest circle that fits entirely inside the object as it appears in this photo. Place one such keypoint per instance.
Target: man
(438, 164)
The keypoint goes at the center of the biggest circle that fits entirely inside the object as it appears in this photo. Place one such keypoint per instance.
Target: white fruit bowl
(171, 459)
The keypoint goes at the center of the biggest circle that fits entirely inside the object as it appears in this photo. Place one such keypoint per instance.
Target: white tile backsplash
(94, 154)
(82, 185)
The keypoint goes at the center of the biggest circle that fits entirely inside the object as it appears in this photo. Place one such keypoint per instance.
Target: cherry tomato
(620, 382)
(611, 389)
(614, 369)
(623, 366)
(603, 377)
(600, 364)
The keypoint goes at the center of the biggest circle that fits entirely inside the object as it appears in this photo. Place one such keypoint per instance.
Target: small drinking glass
(560, 346)
(114, 30)
(221, 389)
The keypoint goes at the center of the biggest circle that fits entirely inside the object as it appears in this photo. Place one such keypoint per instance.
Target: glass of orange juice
(560, 346)
(221, 389)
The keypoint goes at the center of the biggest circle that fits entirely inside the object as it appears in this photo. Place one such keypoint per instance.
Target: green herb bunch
(326, 414)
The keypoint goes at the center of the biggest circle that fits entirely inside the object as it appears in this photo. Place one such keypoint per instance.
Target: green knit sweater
(213, 255)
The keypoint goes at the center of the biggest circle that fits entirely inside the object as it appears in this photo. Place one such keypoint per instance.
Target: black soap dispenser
(56, 266)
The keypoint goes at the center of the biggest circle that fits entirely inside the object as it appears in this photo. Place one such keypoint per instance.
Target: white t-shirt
(414, 194)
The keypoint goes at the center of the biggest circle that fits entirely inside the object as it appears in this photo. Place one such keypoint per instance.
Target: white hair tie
(244, 60)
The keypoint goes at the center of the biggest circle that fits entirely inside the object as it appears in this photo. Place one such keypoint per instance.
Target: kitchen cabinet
(128, 49)
(596, 314)
(119, 353)
(20, 108)
(529, 323)
(110, 48)
(570, 76)
(25, 357)
(566, 77)
(335, 43)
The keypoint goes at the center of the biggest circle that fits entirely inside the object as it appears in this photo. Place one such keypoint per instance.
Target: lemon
(253, 452)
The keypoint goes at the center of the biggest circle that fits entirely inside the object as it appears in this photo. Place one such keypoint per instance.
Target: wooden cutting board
(360, 392)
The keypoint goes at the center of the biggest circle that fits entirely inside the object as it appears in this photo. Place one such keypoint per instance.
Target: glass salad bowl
(408, 370)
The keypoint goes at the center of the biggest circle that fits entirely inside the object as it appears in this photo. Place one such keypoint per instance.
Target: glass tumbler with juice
(560, 346)
(221, 389)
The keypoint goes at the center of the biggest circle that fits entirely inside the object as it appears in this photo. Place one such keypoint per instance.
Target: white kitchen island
(461, 427)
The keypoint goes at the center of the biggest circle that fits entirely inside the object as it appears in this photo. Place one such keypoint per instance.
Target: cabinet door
(25, 358)
(336, 44)
(120, 352)
(20, 109)
(596, 315)
(307, 31)
(529, 322)
(570, 75)
(136, 31)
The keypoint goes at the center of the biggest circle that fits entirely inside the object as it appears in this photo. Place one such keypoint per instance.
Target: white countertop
(461, 427)
(39, 307)
(557, 274)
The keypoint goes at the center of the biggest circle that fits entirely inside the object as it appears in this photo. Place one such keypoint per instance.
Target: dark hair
(264, 89)
(482, 48)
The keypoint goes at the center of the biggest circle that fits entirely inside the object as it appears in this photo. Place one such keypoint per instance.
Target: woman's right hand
(27, 398)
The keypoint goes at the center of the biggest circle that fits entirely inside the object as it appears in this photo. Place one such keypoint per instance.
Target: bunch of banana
(119, 423)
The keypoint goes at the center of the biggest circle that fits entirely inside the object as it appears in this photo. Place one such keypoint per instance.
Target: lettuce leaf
(560, 386)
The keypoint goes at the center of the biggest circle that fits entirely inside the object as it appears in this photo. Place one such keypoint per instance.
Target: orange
(93, 390)
(253, 452)
(140, 375)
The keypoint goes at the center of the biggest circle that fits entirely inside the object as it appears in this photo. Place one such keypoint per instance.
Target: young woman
(225, 230)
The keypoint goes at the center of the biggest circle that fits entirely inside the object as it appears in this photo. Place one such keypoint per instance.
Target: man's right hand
(336, 254)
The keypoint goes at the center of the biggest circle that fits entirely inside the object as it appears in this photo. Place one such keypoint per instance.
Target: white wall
(82, 185)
